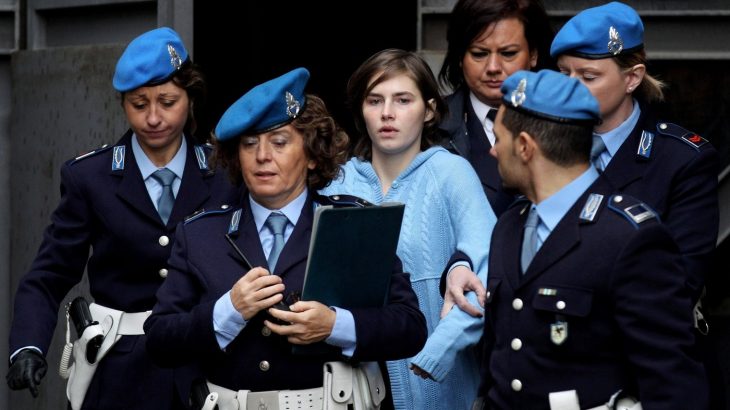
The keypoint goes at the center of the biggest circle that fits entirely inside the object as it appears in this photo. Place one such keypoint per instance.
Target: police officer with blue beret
(123, 202)
(230, 269)
(586, 304)
(674, 170)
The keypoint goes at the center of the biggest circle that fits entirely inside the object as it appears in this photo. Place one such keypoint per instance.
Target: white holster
(361, 386)
(113, 324)
(568, 400)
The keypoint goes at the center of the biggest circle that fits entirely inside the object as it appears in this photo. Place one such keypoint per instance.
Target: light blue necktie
(164, 205)
(529, 240)
(276, 222)
(596, 150)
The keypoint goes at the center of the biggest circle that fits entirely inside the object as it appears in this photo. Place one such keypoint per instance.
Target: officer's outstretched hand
(26, 371)
(458, 282)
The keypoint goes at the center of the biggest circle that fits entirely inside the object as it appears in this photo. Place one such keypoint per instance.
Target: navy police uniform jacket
(105, 207)
(203, 267)
(468, 139)
(675, 172)
(602, 307)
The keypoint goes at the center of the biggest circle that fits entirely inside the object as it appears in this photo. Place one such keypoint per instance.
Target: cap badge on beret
(518, 95)
(292, 105)
(175, 58)
(615, 44)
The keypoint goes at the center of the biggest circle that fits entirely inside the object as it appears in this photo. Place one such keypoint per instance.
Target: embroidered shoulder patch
(688, 137)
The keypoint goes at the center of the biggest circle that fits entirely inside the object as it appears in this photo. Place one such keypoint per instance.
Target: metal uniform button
(489, 294)
(663, 126)
(264, 365)
(560, 305)
(516, 385)
(224, 206)
(265, 331)
(163, 273)
(618, 199)
(516, 344)
(517, 304)
(163, 241)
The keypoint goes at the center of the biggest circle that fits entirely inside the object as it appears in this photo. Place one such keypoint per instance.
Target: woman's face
(606, 82)
(496, 53)
(274, 166)
(394, 113)
(157, 114)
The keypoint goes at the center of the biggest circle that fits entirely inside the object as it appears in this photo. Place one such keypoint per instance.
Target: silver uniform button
(516, 385)
(560, 305)
(264, 366)
(516, 344)
(163, 241)
(517, 304)
(489, 294)
(618, 198)
(163, 273)
(224, 206)
(265, 331)
(663, 126)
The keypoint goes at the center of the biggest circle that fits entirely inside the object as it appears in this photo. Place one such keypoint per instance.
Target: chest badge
(559, 332)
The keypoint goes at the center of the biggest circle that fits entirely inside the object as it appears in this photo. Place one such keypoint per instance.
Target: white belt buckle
(265, 400)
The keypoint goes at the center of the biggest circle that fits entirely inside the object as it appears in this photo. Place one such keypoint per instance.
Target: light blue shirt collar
(292, 211)
(616, 137)
(146, 167)
(554, 208)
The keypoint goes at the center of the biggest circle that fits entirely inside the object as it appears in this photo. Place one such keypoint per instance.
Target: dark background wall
(243, 43)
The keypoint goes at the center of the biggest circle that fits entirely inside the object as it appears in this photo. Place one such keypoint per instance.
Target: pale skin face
(274, 166)
(157, 115)
(394, 114)
(611, 86)
(500, 50)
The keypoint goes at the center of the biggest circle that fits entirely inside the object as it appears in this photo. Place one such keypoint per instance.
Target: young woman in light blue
(397, 109)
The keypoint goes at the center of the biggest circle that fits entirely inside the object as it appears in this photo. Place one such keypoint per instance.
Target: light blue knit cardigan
(446, 210)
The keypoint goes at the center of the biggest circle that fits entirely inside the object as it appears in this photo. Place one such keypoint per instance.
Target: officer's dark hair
(324, 142)
(565, 144)
(382, 66)
(191, 79)
(469, 18)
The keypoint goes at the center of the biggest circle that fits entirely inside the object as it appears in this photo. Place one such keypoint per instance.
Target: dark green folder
(351, 255)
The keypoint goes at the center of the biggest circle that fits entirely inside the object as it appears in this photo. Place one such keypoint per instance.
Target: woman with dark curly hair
(224, 314)
(397, 108)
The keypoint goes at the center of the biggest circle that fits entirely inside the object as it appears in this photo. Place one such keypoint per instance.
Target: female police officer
(213, 309)
(124, 202)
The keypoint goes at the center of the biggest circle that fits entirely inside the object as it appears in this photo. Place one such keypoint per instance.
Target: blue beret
(265, 107)
(600, 32)
(150, 59)
(550, 95)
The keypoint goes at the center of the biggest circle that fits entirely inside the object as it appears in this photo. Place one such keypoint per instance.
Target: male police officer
(586, 306)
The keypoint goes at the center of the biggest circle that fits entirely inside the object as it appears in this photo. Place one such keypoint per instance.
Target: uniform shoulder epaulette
(632, 209)
(99, 150)
(674, 130)
(342, 200)
(202, 212)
